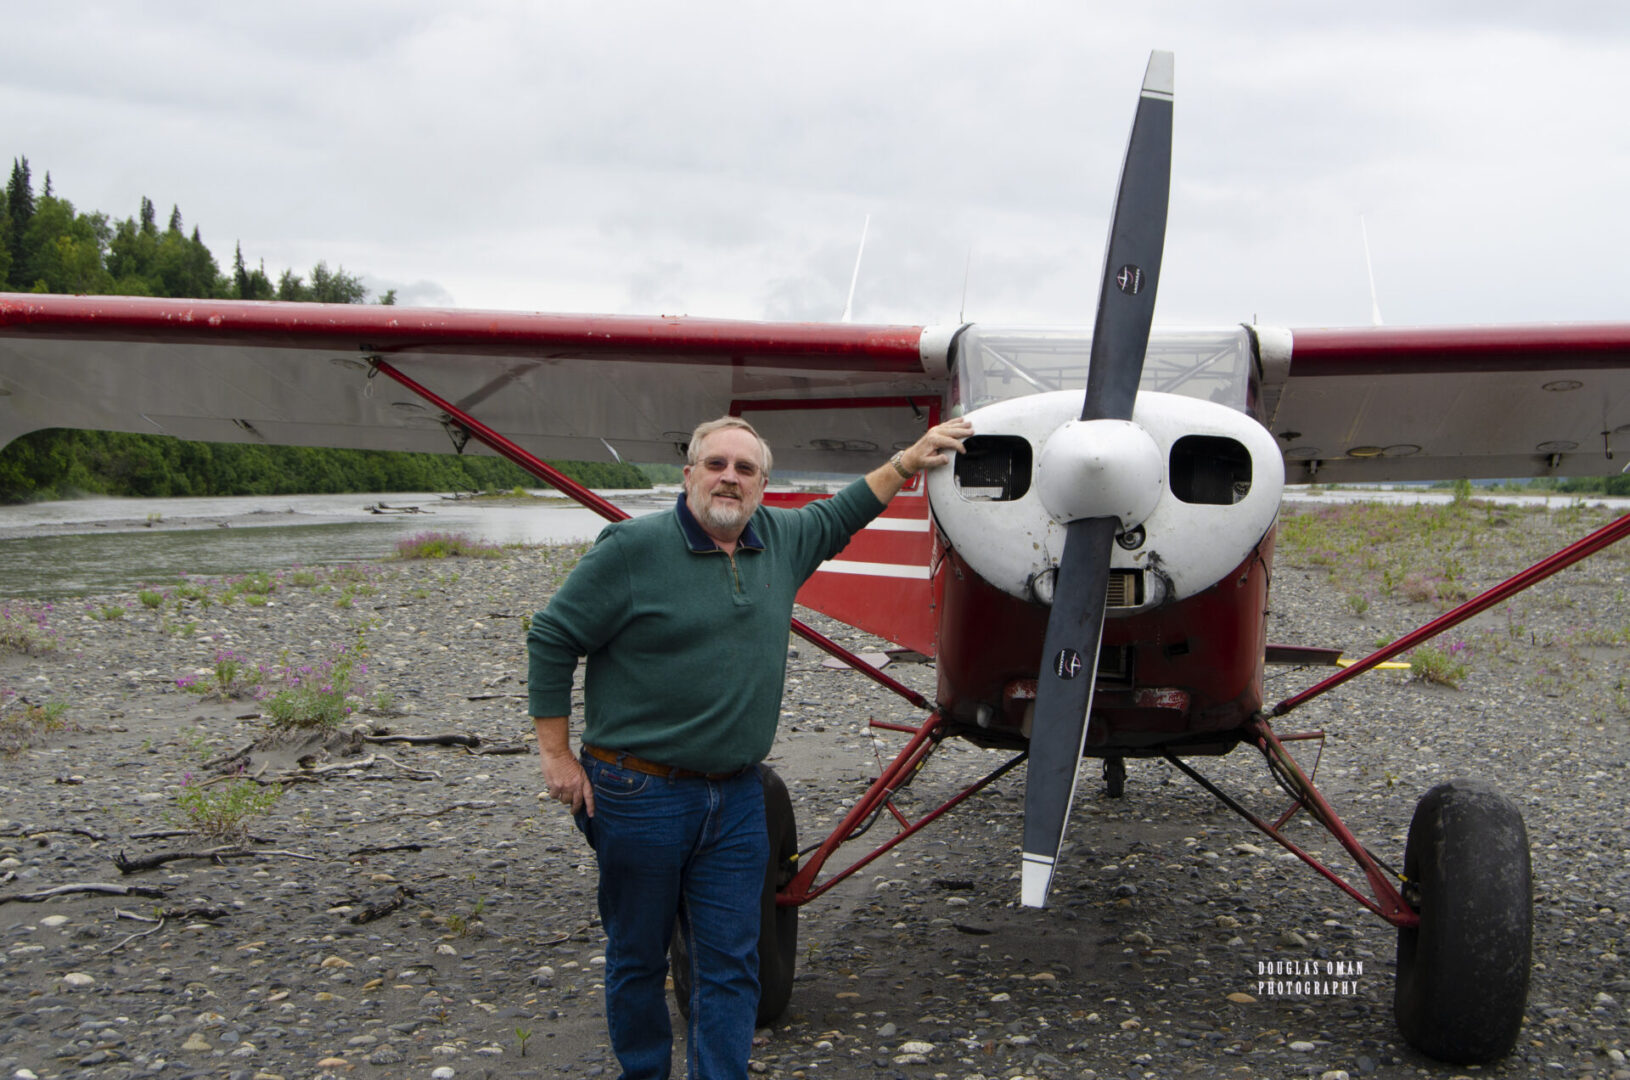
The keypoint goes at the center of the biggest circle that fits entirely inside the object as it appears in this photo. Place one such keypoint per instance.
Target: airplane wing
(836, 398)
(1389, 403)
(831, 398)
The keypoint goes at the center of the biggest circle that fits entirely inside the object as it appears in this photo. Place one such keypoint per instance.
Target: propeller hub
(1101, 468)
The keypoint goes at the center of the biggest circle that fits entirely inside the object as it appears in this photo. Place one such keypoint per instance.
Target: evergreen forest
(48, 246)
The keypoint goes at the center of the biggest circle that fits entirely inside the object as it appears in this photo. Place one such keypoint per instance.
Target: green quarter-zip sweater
(686, 644)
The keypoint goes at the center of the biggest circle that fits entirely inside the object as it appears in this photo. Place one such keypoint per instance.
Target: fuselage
(1194, 481)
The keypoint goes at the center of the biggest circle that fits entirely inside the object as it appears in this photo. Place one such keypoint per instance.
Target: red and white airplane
(1091, 578)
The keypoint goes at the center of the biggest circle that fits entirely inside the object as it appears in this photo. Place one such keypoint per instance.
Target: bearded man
(683, 618)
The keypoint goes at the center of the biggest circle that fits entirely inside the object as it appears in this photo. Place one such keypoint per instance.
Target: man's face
(726, 484)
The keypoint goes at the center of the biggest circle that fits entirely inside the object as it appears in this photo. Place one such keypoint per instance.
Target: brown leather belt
(651, 768)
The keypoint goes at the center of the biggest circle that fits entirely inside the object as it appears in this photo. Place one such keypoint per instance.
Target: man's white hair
(693, 452)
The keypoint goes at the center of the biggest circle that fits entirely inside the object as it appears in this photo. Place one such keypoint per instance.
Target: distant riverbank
(81, 546)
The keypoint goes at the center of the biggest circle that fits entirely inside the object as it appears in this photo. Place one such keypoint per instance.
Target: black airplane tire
(1115, 777)
(778, 926)
(1463, 972)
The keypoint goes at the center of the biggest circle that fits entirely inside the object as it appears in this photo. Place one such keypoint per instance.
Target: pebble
(1145, 964)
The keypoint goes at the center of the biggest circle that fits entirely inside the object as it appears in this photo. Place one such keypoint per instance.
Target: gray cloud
(718, 158)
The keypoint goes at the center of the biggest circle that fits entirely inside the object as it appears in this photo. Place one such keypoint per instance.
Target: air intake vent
(1125, 588)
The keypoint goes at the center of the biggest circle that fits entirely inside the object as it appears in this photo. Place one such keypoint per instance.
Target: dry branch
(128, 865)
(382, 905)
(148, 891)
(449, 739)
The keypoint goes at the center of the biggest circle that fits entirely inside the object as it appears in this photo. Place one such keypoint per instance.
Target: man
(683, 617)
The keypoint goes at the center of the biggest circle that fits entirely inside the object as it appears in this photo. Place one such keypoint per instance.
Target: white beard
(724, 518)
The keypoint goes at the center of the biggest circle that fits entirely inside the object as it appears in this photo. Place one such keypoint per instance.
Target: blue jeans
(691, 850)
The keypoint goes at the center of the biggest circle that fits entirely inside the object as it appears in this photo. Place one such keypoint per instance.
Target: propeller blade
(1137, 238)
(1064, 688)
(1069, 663)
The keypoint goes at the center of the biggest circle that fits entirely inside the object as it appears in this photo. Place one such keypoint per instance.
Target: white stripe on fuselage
(874, 569)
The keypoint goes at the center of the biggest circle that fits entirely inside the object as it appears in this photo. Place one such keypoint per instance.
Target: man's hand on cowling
(933, 448)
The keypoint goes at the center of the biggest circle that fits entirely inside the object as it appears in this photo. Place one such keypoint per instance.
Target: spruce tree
(19, 198)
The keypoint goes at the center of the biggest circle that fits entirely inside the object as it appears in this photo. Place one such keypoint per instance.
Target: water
(87, 546)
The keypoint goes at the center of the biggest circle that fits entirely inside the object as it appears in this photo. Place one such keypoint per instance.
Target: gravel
(1167, 910)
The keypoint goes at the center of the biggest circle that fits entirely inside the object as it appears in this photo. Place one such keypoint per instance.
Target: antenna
(966, 266)
(1375, 305)
(849, 304)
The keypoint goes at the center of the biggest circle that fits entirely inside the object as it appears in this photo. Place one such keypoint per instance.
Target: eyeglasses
(748, 469)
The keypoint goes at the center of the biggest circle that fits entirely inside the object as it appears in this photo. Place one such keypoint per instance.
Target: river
(88, 546)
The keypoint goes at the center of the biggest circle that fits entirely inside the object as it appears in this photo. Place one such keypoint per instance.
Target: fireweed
(319, 695)
(232, 678)
(25, 628)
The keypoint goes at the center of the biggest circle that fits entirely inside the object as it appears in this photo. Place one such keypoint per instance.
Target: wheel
(778, 926)
(1463, 972)
(1115, 777)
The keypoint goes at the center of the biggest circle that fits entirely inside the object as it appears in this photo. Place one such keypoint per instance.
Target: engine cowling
(1194, 485)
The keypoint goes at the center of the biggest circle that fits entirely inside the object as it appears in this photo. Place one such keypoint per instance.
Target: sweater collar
(697, 539)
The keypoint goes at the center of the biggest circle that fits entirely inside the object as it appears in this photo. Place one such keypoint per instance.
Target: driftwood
(164, 917)
(449, 739)
(383, 903)
(27, 832)
(513, 748)
(221, 762)
(316, 773)
(128, 865)
(127, 939)
(361, 853)
(149, 891)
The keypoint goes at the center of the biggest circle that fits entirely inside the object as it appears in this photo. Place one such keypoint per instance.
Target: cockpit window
(994, 364)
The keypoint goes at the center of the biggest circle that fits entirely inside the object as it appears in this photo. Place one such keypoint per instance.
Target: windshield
(993, 364)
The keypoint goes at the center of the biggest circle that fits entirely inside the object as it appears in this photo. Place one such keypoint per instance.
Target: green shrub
(1440, 666)
(224, 811)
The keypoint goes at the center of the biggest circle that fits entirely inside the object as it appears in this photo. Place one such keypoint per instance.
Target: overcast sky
(719, 158)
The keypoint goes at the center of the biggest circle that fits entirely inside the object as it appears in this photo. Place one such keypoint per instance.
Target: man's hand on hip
(562, 772)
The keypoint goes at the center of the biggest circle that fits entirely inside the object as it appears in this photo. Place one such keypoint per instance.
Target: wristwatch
(898, 461)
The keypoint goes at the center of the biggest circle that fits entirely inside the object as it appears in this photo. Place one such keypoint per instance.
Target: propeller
(1126, 303)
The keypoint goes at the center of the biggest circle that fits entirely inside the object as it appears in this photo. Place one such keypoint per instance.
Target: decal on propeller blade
(1067, 664)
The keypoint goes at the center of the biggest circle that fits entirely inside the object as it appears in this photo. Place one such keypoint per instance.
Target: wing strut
(566, 485)
(1607, 535)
